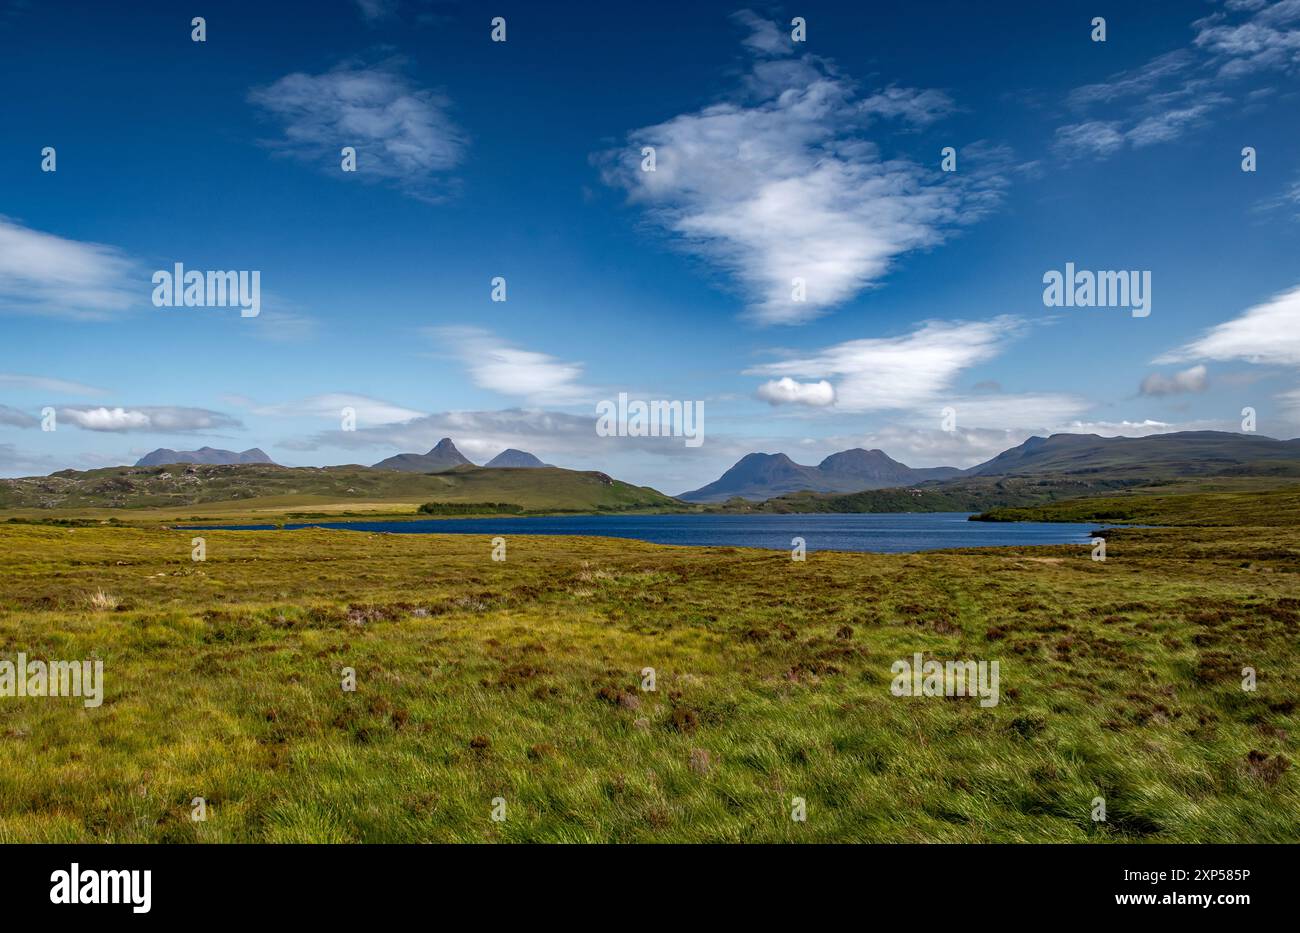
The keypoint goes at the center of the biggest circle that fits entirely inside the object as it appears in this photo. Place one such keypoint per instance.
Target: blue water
(889, 533)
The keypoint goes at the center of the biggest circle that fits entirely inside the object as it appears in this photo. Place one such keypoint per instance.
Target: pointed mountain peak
(443, 456)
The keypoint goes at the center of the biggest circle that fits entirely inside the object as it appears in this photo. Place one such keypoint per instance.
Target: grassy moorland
(1241, 503)
(521, 680)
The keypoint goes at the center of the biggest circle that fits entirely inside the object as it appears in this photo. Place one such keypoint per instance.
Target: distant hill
(1182, 453)
(208, 455)
(514, 458)
(1064, 460)
(762, 476)
(275, 488)
(444, 456)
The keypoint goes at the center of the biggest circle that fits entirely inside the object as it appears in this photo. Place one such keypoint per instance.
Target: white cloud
(48, 384)
(158, 418)
(764, 37)
(1002, 412)
(918, 106)
(1169, 125)
(402, 134)
(41, 273)
(1194, 379)
(780, 183)
(906, 372)
(1267, 333)
(786, 391)
(496, 365)
(1098, 138)
(330, 405)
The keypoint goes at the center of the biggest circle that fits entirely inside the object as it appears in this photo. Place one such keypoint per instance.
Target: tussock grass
(102, 602)
(522, 680)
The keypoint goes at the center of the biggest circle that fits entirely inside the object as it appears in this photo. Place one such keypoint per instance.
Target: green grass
(480, 679)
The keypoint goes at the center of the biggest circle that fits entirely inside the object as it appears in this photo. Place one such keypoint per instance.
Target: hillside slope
(544, 488)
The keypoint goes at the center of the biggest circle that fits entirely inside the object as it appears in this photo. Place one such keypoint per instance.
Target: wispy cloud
(1264, 42)
(1268, 333)
(778, 183)
(1137, 82)
(283, 326)
(905, 372)
(44, 274)
(403, 134)
(48, 384)
(1178, 91)
(1010, 411)
(330, 405)
(154, 418)
(1193, 379)
(1288, 200)
(917, 106)
(1099, 138)
(16, 419)
(764, 38)
(498, 366)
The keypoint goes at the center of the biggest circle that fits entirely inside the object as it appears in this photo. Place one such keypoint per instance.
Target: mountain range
(761, 476)
(444, 456)
(1184, 453)
(210, 456)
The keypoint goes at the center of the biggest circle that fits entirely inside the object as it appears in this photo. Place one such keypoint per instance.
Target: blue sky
(522, 159)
